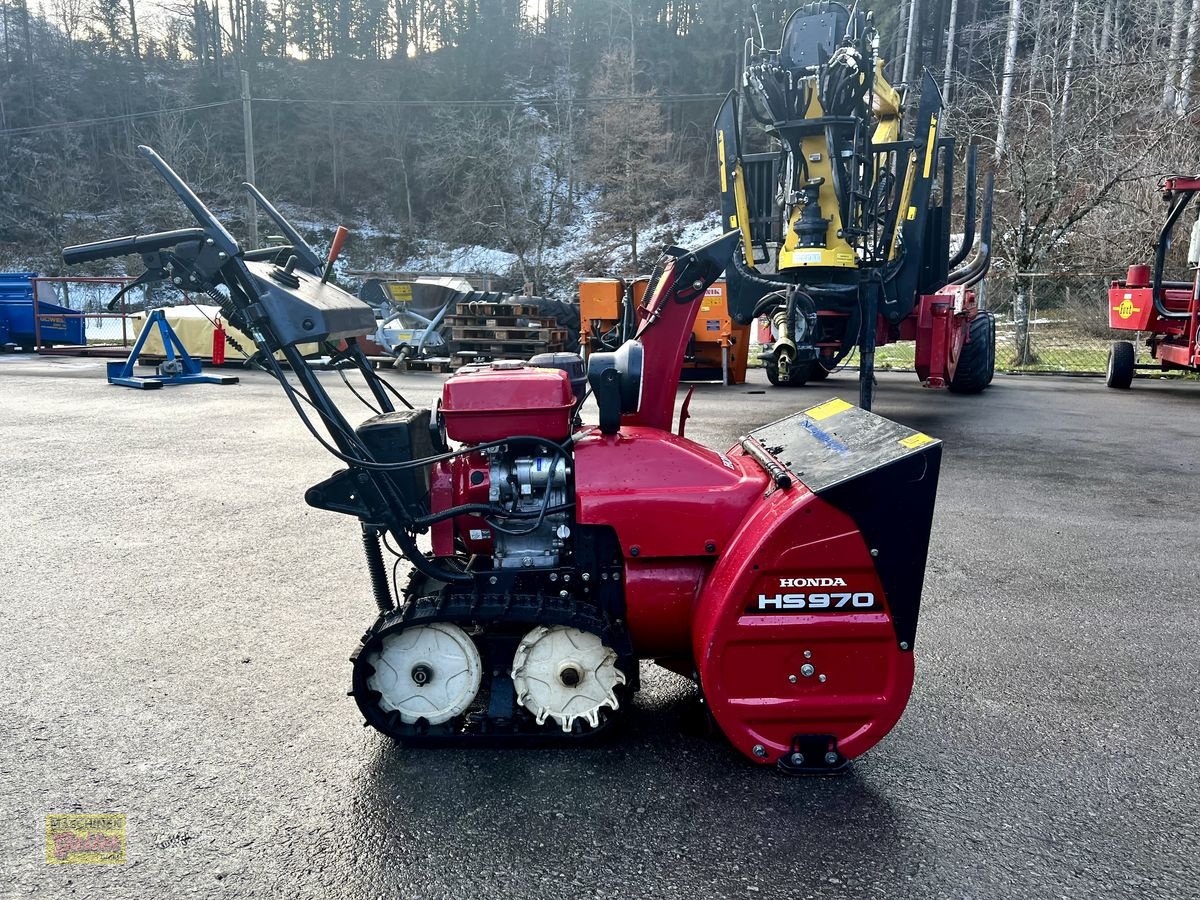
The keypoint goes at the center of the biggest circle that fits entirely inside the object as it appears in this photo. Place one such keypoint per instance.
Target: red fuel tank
(499, 400)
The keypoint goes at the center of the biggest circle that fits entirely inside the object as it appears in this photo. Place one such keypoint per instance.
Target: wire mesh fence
(1046, 322)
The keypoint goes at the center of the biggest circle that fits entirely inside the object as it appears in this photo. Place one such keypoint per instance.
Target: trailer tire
(797, 375)
(817, 371)
(565, 315)
(977, 361)
(1121, 360)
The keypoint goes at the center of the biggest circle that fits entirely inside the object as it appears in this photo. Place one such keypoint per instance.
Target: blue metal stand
(177, 368)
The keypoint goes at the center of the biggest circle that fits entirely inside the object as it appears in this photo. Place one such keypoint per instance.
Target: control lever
(335, 250)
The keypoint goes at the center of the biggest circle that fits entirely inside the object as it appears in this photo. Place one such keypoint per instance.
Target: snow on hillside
(438, 257)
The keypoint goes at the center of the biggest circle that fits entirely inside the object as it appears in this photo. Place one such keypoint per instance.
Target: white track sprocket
(565, 674)
(429, 672)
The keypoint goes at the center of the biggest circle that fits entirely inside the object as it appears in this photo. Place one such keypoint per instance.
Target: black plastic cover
(400, 437)
(571, 363)
(811, 31)
(312, 311)
(883, 475)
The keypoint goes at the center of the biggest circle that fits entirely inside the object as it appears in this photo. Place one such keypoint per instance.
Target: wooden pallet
(508, 349)
(488, 333)
(440, 365)
(478, 308)
(464, 321)
(482, 330)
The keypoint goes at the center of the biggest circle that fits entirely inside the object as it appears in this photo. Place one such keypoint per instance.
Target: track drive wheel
(426, 672)
(565, 674)
(977, 360)
(1121, 361)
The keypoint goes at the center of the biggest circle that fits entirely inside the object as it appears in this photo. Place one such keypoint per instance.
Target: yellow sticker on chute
(912, 213)
(825, 410)
(916, 440)
(930, 146)
(721, 161)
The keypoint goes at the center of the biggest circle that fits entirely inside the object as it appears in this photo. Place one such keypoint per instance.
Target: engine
(517, 487)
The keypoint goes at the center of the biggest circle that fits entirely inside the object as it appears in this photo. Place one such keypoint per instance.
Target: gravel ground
(176, 624)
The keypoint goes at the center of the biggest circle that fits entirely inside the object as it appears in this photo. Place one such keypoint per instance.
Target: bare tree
(1178, 23)
(1007, 76)
(1072, 39)
(912, 42)
(951, 35)
(1184, 96)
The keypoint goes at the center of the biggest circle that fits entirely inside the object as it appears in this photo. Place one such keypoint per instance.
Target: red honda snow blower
(549, 556)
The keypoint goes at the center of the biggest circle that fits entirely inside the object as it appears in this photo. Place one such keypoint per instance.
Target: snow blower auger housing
(783, 574)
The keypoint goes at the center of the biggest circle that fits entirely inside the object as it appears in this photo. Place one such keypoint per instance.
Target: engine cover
(502, 399)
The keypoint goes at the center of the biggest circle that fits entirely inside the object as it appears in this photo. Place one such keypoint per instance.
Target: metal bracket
(813, 754)
(342, 493)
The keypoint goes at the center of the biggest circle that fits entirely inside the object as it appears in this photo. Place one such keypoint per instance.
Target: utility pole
(248, 130)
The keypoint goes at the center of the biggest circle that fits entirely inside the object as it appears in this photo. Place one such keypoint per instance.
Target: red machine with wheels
(1168, 310)
(550, 555)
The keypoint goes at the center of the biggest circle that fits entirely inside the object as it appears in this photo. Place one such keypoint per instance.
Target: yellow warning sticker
(825, 410)
(915, 440)
(401, 293)
(85, 838)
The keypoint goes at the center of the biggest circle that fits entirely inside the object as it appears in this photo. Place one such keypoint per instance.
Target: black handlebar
(124, 246)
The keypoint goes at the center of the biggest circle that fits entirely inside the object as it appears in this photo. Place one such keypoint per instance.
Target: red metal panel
(663, 494)
(1176, 354)
(454, 482)
(1130, 308)
(753, 666)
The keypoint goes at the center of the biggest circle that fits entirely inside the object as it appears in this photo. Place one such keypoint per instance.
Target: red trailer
(1168, 310)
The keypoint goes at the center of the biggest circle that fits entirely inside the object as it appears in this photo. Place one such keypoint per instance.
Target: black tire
(817, 371)
(977, 361)
(797, 376)
(992, 350)
(566, 315)
(1121, 360)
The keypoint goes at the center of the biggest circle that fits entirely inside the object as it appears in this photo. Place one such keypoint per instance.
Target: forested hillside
(520, 125)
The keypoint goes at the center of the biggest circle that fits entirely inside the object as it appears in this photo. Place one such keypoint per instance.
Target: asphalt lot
(176, 624)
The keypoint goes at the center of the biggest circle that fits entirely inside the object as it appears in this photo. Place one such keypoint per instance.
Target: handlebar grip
(339, 238)
(82, 253)
(130, 244)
